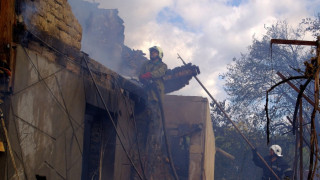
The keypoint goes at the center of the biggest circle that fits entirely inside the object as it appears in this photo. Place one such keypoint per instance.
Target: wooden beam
(225, 154)
(294, 42)
(7, 19)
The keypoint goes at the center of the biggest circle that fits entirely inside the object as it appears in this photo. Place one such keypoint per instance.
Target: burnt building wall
(189, 124)
(49, 113)
(103, 38)
(65, 125)
(51, 18)
(46, 115)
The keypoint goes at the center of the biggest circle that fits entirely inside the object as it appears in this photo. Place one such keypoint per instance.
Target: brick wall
(53, 17)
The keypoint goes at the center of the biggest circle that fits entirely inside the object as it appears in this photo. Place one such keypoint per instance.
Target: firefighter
(275, 161)
(151, 75)
(152, 72)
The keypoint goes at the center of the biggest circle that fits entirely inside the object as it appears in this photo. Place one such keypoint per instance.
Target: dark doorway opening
(180, 153)
(99, 145)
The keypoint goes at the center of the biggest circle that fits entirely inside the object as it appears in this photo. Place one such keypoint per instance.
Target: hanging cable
(65, 105)
(112, 121)
(166, 136)
(135, 127)
(54, 97)
(35, 83)
(79, 64)
(34, 127)
(53, 48)
(19, 141)
(54, 169)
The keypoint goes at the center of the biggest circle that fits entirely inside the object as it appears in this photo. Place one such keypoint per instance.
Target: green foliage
(242, 166)
(246, 82)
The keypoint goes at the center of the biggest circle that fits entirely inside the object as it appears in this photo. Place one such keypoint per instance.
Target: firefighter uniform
(154, 84)
(151, 75)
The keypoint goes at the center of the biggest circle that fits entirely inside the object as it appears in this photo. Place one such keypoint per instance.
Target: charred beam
(294, 42)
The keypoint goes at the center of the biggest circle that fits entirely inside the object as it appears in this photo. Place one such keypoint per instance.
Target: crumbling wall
(103, 38)
(188, 118)
(46, 118)
(48, 112)
(53, 18)
(52, 87)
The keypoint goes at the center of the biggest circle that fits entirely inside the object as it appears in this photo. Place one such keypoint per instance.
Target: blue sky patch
(236, 2)
(168, 15)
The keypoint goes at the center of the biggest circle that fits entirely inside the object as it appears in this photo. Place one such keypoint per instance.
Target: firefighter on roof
(151, 75)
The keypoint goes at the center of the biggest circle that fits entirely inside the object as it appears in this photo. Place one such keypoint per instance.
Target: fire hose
(166, 136)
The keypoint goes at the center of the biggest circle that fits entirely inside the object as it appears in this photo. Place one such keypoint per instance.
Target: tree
(313, 25)
(228, 139)
(250, 76)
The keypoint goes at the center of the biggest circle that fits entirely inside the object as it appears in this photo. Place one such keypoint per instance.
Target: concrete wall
(210, 151)
(46, 117)
(190, 112)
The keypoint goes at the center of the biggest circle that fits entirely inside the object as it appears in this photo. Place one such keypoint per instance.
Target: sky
(207, 33)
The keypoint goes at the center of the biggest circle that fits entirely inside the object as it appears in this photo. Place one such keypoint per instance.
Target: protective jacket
(156, 166)
(155, 83)
(279, 166)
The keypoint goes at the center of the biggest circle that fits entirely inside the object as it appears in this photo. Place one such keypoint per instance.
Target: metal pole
(235, 126)
(300, 140)
(295, 164)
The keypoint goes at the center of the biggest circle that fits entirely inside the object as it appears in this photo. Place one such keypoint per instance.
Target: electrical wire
(19, 141)
(54, 97)
(119, 126)
(34, 127)
(166, 138)
(110, 117)
(35, 83)
(79, 64)
(56, 171)
(135, 128)
(53, 48)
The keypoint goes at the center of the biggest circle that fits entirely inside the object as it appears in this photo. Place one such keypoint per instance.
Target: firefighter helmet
(277, 150)
(157, 48)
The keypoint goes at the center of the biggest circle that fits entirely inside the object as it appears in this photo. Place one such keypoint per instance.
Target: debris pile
(179, 77)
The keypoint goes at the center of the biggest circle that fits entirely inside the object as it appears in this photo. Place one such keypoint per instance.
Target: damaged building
(67, 116)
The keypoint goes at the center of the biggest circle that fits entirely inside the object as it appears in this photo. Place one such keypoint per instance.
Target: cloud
(205, 32)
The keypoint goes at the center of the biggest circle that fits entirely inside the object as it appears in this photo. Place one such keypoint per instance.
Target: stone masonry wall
(53, 17)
